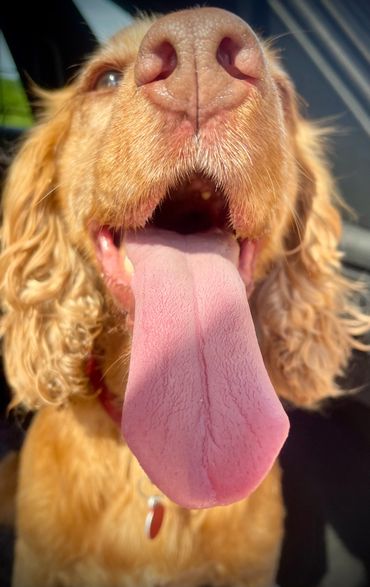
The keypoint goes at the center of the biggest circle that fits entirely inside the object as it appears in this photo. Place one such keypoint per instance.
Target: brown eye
(108, 79)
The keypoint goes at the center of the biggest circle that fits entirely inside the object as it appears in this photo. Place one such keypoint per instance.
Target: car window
(103, 17)
(14, 107)
(325, 48)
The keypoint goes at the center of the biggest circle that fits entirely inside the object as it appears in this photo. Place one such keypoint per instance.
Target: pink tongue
(200, 413)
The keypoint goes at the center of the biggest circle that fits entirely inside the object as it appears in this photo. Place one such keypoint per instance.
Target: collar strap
(156, 509)
(107, 399)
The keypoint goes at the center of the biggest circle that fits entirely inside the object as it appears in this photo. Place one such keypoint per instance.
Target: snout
(198, 63)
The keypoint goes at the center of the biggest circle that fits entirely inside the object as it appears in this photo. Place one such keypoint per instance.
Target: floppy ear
(51, 308)
(306, 314)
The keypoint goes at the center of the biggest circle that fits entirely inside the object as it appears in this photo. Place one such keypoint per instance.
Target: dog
(170, 275)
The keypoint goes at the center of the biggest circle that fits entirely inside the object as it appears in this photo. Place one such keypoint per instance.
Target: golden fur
(80, 513)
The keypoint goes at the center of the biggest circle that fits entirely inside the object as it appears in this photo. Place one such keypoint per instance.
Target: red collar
(156, 509)
(107, 399)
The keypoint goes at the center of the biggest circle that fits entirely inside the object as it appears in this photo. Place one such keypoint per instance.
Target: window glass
(14, 107)
(103, 17)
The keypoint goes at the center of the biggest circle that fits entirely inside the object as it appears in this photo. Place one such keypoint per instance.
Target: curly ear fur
(51, 304)
(306, 314)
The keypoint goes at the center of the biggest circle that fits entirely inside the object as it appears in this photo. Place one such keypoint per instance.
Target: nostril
(166, 52)
(156, 63)
(234, 59)
(226, 53)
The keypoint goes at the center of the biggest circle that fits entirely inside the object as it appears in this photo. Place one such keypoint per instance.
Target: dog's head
(170, 183)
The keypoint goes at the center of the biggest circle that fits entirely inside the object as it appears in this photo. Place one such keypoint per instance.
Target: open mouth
(199, 411)
(195, 206)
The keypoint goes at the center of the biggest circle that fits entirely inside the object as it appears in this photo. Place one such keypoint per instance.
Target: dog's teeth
(129, 268)
(206, 195)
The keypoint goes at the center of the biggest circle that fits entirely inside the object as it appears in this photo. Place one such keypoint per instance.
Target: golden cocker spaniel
(169, 271)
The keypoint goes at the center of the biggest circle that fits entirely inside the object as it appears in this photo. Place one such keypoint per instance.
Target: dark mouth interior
(194, 206)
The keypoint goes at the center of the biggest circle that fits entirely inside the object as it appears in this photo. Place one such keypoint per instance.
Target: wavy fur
(52, 307)
(306, 308)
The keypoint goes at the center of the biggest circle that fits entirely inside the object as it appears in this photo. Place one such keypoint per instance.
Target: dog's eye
(108, 79)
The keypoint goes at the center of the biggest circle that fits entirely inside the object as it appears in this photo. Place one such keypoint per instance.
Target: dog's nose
(199, 62)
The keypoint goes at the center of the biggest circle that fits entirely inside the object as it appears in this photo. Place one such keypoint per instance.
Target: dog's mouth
(195, 206)
(199, 411)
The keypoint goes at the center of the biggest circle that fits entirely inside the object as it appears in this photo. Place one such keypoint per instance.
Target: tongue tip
(206, 500)
(220, 498)
(205, 496)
